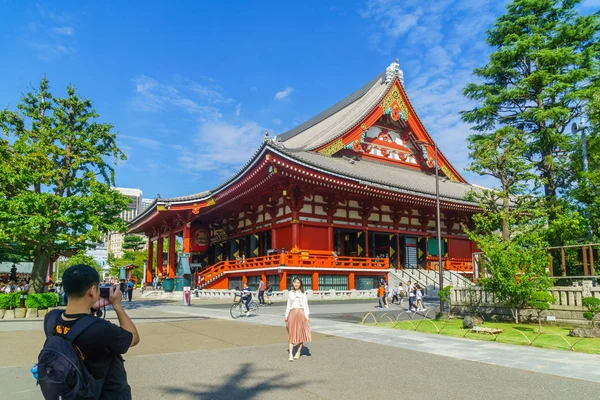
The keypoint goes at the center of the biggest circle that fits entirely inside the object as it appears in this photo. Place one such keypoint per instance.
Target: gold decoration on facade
(448, 173)
(161, 207)
(394, 96)
(363, 126)
(211, 202)
(333, 147)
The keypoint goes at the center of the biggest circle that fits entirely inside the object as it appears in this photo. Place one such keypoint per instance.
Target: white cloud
(277, 121)
(284, 93)
(51, 35)
(153, 96)
(142, 141)
(235, 145)
(64, 30)
(238, 109)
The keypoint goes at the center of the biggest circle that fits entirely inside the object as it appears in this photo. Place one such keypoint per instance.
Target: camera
(105, 290)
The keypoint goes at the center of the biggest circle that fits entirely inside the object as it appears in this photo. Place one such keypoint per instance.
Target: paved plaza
(199, 352)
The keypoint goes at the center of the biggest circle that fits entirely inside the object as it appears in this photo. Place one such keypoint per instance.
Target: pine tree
(538, 80)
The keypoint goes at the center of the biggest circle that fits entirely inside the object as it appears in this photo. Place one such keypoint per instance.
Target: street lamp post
(581, 128)
(437, 217)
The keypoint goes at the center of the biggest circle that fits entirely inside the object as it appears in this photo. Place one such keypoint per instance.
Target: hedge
(41, 300)
(10, 301)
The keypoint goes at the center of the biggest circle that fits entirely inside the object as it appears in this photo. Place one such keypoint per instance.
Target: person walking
(297, 319)
(401, 294)
(387, 293)
(261, 293)
(411, 296)
(395, 298)
(130, 289)
(381, 294)
(419, 296)
(269, 291)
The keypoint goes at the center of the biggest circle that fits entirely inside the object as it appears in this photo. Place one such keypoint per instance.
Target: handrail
(300, 259)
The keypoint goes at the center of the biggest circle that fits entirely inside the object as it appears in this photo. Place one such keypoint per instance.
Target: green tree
(82, 258)
(538, 80)
(136, 258)
(61, 198)
(540, 301)
(510, 229)
(133, 242)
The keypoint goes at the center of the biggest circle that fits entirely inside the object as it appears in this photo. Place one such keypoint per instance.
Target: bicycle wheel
(253, 308)
(235, 311)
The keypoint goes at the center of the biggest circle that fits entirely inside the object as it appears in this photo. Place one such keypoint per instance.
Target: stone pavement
(184, 355)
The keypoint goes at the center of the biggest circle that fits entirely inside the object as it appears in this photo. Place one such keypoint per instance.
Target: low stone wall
(568, 306)
(17, 313)
(216, 294)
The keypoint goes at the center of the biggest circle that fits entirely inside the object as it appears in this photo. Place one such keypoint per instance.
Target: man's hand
(102, 302)
(115, 296)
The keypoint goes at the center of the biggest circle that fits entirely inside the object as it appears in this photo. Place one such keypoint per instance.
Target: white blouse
(297, 299)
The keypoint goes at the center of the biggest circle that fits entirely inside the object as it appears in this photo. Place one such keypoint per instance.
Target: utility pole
(581, 128)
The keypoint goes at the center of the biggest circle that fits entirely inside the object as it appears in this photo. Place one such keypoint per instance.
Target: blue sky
(191, 86)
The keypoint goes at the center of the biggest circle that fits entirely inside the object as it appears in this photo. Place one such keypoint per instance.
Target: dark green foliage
(593, 306)
(35, 300)
(133, 242)
(444, 294)
(9, 301)
(55, 185)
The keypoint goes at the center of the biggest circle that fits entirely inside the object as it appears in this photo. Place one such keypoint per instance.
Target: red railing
(452, 264)
(303, 259)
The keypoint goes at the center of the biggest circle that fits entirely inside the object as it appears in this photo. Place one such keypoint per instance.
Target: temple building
(337, 201)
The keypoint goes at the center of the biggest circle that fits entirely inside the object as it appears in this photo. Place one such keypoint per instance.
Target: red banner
(199, 238)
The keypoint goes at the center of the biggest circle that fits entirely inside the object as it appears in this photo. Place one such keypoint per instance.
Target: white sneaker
(387, 306)
(248, 314)
(291, 358)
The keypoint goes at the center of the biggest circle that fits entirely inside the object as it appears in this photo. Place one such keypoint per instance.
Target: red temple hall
(336, 201)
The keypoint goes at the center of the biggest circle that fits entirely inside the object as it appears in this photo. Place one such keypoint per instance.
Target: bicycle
(238, 308)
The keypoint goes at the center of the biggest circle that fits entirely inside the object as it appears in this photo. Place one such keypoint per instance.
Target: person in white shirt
(420, 306)
(296, 319)
(411, 296)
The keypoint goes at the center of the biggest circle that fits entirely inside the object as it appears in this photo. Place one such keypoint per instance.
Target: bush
(50, 299)
(5, 301)
(10, 301)
(34, 301)
(593, 306)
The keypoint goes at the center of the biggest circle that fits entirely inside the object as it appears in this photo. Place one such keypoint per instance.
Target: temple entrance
(349, 242)
(379, 245)
(409, 252)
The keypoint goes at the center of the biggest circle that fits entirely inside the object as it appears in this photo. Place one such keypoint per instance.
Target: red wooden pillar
(171, 265)
(263, 277)
(330, 244)
(295, 228)
(315, 281)
(282, 280)
(186, 237)
(149, 269)
(50, 271)
(159, 257)
(351, 281)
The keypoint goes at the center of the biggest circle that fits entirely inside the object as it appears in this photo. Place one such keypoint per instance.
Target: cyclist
(246, 297)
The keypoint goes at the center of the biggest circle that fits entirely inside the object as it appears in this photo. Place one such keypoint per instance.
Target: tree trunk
(40, 269)
(505, 219)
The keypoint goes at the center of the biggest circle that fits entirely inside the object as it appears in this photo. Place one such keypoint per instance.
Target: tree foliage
(133, 242)
(82, 258)
(593, 308)
(136, 258)
(540, 301)
(57, 196)
(538, 80)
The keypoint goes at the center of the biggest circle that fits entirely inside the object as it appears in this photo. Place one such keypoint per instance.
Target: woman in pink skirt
(296, 319)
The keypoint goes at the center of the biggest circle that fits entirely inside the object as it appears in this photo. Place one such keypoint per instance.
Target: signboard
(187, 299)
(550, 318)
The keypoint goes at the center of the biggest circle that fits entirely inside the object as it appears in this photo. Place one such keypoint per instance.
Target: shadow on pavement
(236, 386)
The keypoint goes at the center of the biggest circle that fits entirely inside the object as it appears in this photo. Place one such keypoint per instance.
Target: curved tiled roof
(337, 119)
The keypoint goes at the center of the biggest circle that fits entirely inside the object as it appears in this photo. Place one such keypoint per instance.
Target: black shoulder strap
(80, 326)
(51, 321)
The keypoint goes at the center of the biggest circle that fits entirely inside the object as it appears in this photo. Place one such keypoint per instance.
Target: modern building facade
(336, 201)
(134, 208)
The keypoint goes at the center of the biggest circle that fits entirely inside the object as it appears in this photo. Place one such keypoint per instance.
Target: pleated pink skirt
(297, 328)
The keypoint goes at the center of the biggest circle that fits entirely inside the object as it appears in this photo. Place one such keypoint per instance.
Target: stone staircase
(428, 279)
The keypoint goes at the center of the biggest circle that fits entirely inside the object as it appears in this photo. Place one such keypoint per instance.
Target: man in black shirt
(103, 343)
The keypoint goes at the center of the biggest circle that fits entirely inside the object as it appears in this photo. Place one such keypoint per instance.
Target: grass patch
(552, 337)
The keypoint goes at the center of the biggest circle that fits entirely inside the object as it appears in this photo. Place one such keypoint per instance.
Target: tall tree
(82, 258)
(538, 81)
(510, 230)
(61, 198)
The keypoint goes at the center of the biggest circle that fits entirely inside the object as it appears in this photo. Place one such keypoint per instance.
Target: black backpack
(61, 372)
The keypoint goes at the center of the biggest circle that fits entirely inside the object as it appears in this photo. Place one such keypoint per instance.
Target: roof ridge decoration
(393, 71)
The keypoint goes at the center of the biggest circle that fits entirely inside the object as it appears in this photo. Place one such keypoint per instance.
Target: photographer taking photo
(98, 343)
